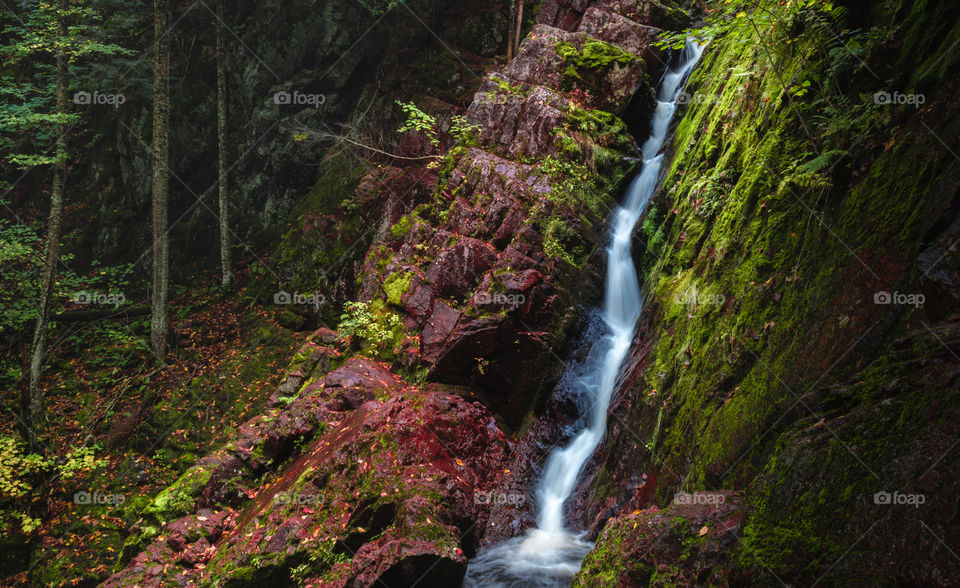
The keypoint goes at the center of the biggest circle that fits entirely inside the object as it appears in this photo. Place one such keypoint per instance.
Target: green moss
(605, 565)
(603, 127)
(396, 285)
(593, 62)
(447, 165)
(562, 242)
(180, 498)
(400, 229)
(508, 88)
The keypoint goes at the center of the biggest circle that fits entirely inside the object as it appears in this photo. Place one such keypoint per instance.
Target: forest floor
(148, 423)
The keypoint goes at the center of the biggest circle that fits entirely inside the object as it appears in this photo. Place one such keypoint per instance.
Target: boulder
(685, 543)
(387, 495)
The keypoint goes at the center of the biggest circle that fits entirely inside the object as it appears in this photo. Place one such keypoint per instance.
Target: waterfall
(549, 555)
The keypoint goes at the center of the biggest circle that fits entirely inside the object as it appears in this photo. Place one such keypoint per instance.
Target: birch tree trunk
(226, 270)
(159, 319)
(34, 402)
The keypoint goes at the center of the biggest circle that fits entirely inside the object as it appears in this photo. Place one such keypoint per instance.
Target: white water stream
(550, 554)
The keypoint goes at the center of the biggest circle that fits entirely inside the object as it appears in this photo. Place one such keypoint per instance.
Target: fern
(823, 161)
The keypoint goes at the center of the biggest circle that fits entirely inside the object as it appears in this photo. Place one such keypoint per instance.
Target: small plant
(420, 121)
(21, 472)
(348, 205)
(463, 130)
(378, 330)
(401, 227)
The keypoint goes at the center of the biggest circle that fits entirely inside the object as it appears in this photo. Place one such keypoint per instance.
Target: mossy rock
(590, 65)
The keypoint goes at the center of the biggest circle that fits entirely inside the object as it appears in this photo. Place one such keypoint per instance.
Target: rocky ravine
(355, 475)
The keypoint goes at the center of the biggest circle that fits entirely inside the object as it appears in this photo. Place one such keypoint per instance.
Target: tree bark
(34, 408)
(516, 36)
(510, 33)
(159, 319)
(226, 270)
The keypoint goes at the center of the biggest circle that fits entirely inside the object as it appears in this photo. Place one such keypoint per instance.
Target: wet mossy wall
(787, 207)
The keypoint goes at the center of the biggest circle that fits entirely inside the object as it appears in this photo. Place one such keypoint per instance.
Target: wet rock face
(497, 266)
(791, 379)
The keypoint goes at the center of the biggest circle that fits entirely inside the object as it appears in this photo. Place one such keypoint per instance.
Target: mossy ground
(194, 412)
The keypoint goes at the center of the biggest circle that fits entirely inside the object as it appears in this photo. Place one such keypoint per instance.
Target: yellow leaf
(704, 530)
(741, 14)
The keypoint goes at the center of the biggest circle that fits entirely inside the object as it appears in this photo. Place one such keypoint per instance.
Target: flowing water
(550, 554)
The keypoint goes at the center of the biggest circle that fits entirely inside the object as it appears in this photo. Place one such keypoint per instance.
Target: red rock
(459, 268)
(618, 30)
(516, 125)
(438, 327)
(326, 335)
(562, 13)
(196, 553)
(419, 304)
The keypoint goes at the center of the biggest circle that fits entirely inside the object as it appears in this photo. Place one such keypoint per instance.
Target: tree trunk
(34, 406)
(226, 270)
(516, 36)
(159, 319)
(510, 33)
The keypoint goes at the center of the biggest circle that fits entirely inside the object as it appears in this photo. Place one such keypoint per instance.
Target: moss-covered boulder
(688, 543)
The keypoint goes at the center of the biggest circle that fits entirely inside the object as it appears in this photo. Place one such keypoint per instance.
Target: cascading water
(550, 555)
